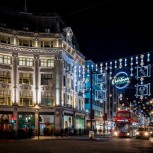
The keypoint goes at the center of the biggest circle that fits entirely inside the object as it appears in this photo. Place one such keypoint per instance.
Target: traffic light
(12, 120)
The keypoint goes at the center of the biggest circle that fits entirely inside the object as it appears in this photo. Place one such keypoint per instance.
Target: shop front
(80, 123)
(26, 120)
(5, 123)
(46, 124)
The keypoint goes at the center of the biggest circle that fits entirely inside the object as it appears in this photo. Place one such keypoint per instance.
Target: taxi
(143, 132)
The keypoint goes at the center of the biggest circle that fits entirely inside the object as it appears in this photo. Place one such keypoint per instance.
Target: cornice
(31, 50)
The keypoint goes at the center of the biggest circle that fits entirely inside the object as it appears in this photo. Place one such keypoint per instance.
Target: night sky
(105, 29)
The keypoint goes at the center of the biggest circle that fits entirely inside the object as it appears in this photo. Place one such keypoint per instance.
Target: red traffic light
(12, 119)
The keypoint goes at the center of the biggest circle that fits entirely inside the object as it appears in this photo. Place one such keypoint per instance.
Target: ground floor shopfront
(99, 125)
(44, 121)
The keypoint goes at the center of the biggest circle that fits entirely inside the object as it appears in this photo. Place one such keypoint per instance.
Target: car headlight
(137, 133)
(128, 133)
(116, 133)
(146, 133)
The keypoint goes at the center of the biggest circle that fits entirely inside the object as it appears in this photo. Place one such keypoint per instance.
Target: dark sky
(105, 29)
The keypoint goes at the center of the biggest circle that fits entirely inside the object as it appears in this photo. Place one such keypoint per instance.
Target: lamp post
(91, 111)
(151, 118)
(104, 118)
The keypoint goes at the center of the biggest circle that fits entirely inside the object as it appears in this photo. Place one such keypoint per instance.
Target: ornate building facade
(40, 73)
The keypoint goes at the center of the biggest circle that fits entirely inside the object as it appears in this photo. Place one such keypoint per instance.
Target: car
(143, 133)
(151, 137)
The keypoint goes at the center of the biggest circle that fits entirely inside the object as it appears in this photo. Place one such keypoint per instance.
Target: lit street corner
(76, 145)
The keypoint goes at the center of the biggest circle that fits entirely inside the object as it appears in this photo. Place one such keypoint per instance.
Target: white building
(40, 73)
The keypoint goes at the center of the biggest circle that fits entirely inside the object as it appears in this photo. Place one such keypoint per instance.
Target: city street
(76, 145)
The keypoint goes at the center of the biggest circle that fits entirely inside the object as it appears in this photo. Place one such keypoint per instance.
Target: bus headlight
(116, 133)
(137, 133)
(128, 133)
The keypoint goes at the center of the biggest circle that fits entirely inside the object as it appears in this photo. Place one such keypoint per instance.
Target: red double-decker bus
(126, 124)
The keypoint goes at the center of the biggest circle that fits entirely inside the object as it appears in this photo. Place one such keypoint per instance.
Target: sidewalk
(85, 137)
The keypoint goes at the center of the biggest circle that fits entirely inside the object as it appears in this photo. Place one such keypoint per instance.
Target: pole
(91, 115)
(104, 120)
(38, 125)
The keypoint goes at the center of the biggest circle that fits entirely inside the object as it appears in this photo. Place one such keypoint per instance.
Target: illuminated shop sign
(121, 80)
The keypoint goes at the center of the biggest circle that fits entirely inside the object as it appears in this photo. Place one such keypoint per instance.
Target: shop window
(26, 120)
(79, 123)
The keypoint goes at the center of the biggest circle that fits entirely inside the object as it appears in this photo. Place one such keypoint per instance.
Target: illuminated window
(26, 78)
(25, 61)
(5, 76)
(50, 63)
(25, 42)
(46, 79)
(5, 97)
(47, 44)
(47, 99)
(123, 115)
(44, 62)
(47, 63)
(5, 59)
(4, 39)
(29, 62)
(25, 98)
(22, 61)
(1, 59)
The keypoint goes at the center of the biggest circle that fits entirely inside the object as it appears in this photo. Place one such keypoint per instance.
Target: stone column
(58, 117)
(36, 78)
(15, 114)
(37, 121)
(59, 80)
(14, 78)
